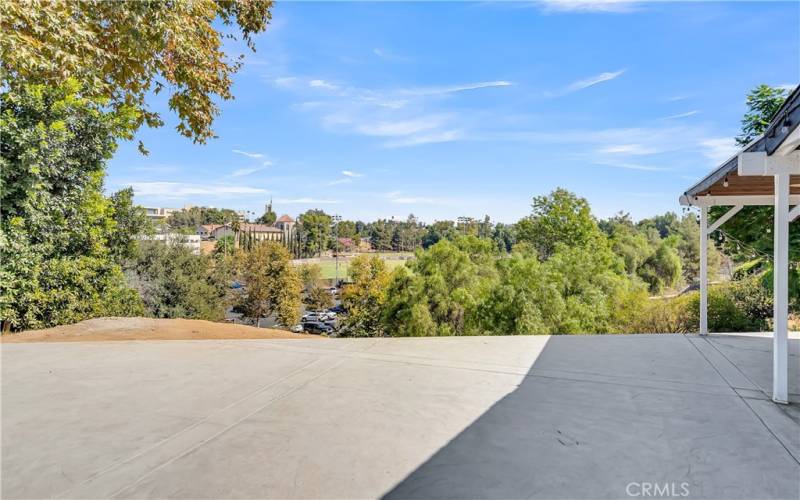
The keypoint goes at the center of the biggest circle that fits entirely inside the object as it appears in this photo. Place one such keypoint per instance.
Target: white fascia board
(727, 201)
(761, 164)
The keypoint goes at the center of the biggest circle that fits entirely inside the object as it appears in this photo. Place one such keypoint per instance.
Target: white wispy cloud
(286, 81)
(630, 166)
(681, 115)
(389, 55)
(306, 201)
(248, 171)
(431, 138)
(403, 127)
(322, 84)
(629, 149)
(590, 82)
(401, 115)
(449, 89)
(719, 149)
(248, 154)
(350, 173)
(628, 145)
(586, 6)
(183, 189)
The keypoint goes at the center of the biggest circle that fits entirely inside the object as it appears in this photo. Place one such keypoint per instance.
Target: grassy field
(328, 265)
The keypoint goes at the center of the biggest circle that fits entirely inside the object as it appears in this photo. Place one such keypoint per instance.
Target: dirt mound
(100, 329)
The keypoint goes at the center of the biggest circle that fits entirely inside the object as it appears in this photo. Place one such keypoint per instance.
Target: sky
(448, 109)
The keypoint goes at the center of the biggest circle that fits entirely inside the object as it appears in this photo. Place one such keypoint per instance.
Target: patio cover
(765, 172)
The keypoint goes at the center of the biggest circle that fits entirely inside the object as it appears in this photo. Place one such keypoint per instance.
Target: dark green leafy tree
(438, 231)
(53, 216)
(762, 104)
(130, 222)
(380, 234)
(662, 269)
(316, 227)
(175, 283)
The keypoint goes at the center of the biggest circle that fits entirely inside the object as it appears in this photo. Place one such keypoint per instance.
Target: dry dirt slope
(100, 329)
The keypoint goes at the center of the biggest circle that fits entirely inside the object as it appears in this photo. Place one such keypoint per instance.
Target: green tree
(316, 227)
(524, 302)
(272, 285)
(559, 218)
(763, 102)
(224, 245)
(662, 269)
(175, 283)
(438, 231)
(130, 221)
(53, 216)
(380, 235)
(364, 297)
(504, 237)
(588, 280)
(443, 280)
(190, 218)
(316, 297)
(126, 51)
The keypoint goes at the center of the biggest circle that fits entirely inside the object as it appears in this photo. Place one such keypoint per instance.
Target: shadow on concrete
(604, 417)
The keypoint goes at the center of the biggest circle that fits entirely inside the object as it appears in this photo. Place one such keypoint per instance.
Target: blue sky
(445, 109)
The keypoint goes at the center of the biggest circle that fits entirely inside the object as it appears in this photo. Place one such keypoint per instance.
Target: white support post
(703, 270)
(780, 353)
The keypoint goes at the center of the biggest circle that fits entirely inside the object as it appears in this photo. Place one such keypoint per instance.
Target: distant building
(159, 213)
(191, 241)
(259, 232)
(285, 223)
(205, 230)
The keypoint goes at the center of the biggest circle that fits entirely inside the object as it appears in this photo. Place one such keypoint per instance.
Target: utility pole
(462, 221)
(336, 219)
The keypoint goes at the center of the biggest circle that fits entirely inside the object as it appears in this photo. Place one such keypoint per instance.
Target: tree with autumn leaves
(75, 81)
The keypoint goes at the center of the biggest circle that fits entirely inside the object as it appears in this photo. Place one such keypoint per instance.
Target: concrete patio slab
(475, 417)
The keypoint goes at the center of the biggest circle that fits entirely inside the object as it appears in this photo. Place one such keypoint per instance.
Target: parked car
(319, 316)
(333, 290)
(327, 316)
(311, 316)
(317, 327)
(337, 309)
